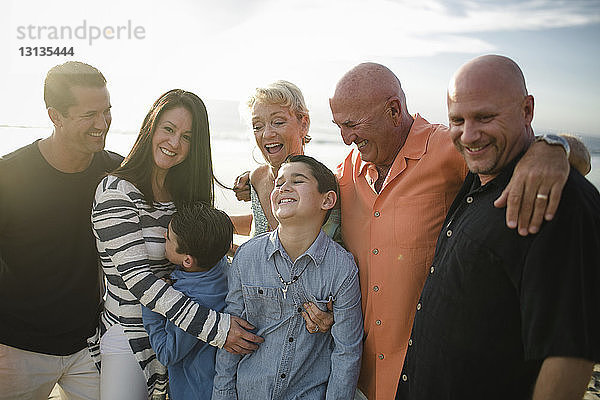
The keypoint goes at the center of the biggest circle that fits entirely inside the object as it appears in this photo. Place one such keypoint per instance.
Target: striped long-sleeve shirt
(130, 239)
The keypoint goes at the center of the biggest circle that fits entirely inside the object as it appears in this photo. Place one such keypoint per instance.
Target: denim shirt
(292, 363)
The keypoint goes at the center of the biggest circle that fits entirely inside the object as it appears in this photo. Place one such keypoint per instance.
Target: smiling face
(296, 195)
(172, 137)
(278, 132)
(369, 127)
(489, 117)
(85, 125)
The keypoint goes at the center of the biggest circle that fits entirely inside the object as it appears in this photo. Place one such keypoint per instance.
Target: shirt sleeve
(560, 280)
(170, 343)
(116, 225)
(347, 332)
(224, 386)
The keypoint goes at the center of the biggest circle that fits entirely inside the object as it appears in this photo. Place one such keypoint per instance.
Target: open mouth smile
(273, 148)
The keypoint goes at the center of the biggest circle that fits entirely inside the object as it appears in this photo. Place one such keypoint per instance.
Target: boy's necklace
(284, 289)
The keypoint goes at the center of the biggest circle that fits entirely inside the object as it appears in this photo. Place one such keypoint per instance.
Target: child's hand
(317, 320)
(168, 280)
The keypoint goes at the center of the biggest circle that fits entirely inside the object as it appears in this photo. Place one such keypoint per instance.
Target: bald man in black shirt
(503, 316)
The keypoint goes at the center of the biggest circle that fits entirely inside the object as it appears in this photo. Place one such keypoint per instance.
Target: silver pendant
(284, 291)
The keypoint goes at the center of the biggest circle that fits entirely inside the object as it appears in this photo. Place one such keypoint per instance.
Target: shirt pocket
(418, 220)
(262, 303)
(321, 302)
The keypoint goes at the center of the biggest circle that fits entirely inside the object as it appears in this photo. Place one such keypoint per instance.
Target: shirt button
(410, 342)
(469, 199)
(378, 322)
(418, 306)
(291, 339)
(449, 233)
(375, 251)
(432, 269)
(381, 356)
(260, 291)
(299, 309)
(282, 376)
(404, 377)
(376, 288)
(376, 213)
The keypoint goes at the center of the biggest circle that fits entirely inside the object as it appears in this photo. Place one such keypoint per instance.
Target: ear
(188, 262)
(305, 123)
(394, 110)
(528, 105)
(329, 200)
(56, 117)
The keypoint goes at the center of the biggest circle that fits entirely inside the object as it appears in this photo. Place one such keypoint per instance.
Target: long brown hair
(192, 179)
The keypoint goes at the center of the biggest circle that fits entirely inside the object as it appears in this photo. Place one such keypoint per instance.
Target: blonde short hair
(285, 94)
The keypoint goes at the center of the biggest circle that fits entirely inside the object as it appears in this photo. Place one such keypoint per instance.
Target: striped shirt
(131, 245)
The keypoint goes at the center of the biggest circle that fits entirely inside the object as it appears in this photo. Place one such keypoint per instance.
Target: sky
(222, 50)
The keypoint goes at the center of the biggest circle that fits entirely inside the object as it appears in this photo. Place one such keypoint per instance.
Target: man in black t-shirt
(49, 277)
(503, 316)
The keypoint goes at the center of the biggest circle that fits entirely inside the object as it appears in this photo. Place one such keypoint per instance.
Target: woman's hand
(241, 187)
(316, 319)
(239, 340)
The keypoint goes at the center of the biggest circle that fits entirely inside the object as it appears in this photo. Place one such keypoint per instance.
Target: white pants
(26, 375)
(121, 377)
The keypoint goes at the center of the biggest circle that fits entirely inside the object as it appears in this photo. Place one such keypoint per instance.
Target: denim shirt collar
(316, 251)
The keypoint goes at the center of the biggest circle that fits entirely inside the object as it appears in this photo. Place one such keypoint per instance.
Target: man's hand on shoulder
(534, 191)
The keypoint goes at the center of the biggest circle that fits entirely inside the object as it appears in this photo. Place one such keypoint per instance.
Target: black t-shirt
(496, 304)
(49, 276)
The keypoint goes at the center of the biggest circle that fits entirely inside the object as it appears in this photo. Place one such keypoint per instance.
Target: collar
(501, 180)
(316, 251)
(414, 146)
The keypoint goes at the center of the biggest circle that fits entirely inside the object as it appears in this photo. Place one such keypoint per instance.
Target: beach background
(234, 152)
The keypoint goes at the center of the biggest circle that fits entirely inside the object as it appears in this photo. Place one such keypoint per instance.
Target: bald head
(496, 73)
(490, 114)
(369, 82)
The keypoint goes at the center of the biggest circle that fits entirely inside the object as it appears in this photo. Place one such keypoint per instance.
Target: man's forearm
(563, 378)
(579, 157)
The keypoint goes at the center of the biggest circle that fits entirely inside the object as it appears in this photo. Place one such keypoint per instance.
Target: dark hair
(326, 180)
(61, 78)
(192, 179)
(203, 232)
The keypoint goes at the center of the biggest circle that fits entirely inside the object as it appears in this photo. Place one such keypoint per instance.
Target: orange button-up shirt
(392, 236)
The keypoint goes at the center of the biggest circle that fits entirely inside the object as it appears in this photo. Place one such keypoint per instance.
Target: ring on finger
(541, 196)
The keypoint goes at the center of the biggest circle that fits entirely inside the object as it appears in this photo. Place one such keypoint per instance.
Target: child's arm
(347, 332)
(170, 343)
(224, 386)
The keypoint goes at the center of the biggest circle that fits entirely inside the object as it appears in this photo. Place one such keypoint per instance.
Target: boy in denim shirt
(197, 240)
(272, 276)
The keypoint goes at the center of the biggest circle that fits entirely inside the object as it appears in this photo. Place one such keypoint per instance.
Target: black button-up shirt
(496, 304)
